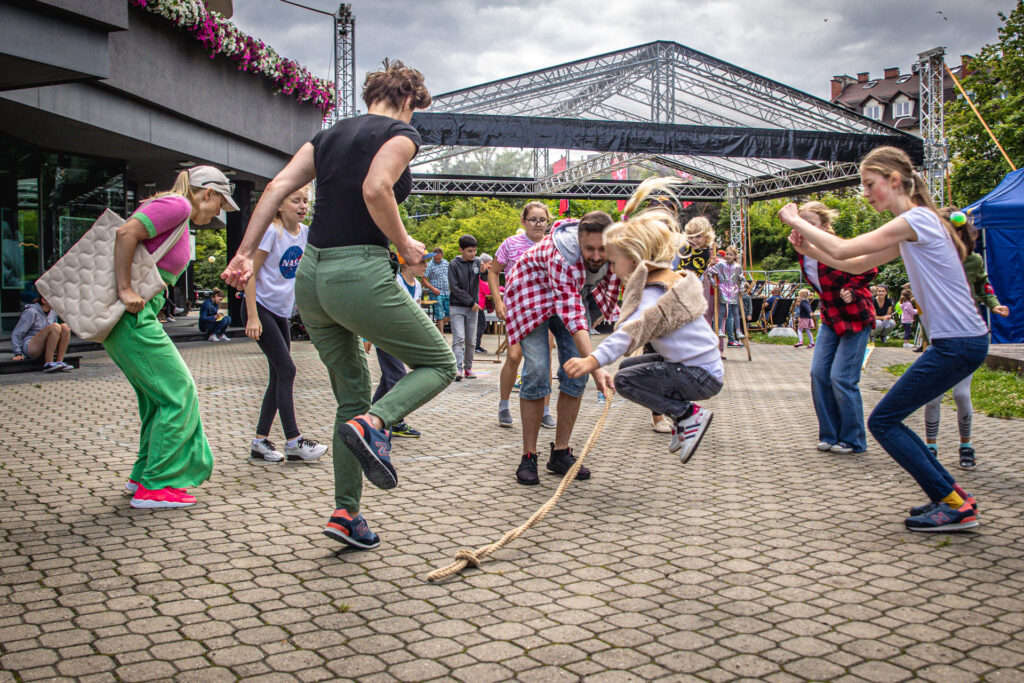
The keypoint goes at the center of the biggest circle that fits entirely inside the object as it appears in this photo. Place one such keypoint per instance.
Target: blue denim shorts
(536, 372)
(441, 309)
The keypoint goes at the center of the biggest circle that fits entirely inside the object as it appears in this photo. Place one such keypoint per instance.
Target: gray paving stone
(648, 571)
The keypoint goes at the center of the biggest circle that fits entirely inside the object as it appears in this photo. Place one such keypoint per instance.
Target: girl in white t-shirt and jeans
(932, 253)
(269, 300)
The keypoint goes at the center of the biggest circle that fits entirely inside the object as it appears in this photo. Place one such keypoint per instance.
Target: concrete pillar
(236, 224)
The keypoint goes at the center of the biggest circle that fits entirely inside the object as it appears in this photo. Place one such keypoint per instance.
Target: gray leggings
(662, 386)
(964, 411)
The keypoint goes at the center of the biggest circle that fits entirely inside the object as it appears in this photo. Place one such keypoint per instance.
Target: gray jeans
(664, 387)
(463, 321)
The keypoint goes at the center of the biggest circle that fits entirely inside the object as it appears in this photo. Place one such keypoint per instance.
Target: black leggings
(275, 342)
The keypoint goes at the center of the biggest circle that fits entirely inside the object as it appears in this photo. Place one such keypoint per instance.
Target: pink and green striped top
(161, 216)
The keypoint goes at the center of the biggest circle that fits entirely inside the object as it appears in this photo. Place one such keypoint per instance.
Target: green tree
(996, 85)
(210, 243)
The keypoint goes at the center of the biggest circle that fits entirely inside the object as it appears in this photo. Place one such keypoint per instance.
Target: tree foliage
(210, 243)
(996, 85)
(489, 220)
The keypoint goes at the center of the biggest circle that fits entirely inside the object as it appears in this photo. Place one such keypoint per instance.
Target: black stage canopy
(486, 130)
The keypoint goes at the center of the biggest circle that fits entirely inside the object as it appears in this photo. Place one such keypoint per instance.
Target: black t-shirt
(884, 309)
(343, 154)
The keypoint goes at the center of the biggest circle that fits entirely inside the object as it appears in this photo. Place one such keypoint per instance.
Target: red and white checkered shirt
(543, 284)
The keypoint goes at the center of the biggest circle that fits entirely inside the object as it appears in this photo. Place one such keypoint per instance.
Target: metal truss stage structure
(652, 85)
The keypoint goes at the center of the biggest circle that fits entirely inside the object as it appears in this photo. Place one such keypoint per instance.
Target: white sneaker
(908, 345)
(64, 367)
(824, 446)
(265, 450)
(223, 337)
(212, 338)
(688, 432)
(305, 449)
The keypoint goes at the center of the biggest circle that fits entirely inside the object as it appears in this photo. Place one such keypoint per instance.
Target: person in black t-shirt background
(345, 286)
(884, 308)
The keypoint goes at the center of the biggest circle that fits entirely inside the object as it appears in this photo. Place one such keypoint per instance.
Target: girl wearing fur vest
(665, 309)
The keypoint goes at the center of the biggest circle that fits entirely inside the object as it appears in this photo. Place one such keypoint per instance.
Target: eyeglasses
(537, 221)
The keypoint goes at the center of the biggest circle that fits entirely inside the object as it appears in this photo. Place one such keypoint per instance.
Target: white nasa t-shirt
(275, 283)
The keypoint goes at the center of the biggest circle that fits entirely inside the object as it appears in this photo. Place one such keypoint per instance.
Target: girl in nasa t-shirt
(269, 299)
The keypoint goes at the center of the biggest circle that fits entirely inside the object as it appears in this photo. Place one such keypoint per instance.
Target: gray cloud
(459, 43)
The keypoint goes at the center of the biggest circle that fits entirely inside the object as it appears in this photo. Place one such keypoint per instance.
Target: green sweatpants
(173, 450)
(344, 293)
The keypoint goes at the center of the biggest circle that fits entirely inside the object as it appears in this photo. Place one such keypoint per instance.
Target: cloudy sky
(459, 43)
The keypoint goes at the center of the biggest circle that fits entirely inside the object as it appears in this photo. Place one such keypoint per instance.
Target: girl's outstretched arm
(858, 264)
(858, 254)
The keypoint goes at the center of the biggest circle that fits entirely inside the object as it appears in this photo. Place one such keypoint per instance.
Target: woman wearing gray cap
(345, 287)
(173, 451)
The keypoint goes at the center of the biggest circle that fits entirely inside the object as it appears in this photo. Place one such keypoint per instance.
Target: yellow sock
(953, 500)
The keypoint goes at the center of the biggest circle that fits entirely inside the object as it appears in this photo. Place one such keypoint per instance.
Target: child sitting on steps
(665, 309)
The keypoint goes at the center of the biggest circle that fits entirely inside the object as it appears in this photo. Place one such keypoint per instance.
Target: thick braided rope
(466, 557)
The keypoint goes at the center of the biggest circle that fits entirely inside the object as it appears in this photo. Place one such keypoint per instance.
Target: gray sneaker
(305, 449)
(505, 418)
(547, 422)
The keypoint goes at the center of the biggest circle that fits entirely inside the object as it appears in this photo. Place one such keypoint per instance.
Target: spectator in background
(211, 320)
(883, 313)
(39, 335)
(464, 288)
(437, 283)
(485, 291)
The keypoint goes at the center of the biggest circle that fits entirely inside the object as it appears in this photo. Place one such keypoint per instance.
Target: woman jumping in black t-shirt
(345, 286)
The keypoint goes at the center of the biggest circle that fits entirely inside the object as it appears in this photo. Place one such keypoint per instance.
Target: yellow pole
(978, 114)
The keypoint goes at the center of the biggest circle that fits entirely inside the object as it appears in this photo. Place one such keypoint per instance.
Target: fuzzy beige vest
(680, 304)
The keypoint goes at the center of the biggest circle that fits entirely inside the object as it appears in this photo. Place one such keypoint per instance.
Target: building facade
(893, 99)
(102, 104)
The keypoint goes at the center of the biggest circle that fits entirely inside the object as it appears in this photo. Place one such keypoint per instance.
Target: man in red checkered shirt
(548, 290)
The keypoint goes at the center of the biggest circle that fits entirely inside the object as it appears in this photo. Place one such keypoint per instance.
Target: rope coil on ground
(466, 557)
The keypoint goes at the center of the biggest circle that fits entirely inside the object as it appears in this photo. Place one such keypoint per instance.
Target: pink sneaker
(164, 498)
(132, 486)
(470, 374)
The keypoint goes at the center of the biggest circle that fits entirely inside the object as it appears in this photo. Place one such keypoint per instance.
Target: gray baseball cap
(213, 178)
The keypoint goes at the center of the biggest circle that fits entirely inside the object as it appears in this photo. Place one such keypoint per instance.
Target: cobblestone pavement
(761, 559)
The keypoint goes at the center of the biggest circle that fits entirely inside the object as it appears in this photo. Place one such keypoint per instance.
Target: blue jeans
(729, 318)
(217, 327)
(536, 373)
(835, 386)
(939, 369)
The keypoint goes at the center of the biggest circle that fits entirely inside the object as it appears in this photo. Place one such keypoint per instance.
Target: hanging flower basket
(220, 37)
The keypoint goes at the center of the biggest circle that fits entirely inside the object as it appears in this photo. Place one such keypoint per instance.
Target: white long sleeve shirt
(693, 344)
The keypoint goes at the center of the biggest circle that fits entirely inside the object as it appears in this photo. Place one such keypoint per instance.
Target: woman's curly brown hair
(394, 83)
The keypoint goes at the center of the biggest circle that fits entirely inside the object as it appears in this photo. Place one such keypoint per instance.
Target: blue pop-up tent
(1000, 217)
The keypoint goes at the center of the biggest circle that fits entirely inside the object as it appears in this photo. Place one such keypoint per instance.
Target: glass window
(904, 108)
(873, 111)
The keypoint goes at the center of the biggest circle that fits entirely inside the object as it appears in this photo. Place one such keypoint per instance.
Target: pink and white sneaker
(688, 431)
(132, 486)
(164, 498)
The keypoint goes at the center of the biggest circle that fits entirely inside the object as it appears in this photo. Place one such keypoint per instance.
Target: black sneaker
(561, 460)
(527, 472)
(967, 461)
(458, 376)
(404, 430)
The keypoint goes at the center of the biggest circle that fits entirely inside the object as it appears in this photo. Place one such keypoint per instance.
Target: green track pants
(173, 450)
(344, 293)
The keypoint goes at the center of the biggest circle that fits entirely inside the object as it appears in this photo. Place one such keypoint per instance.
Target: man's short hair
(467, 241)
(438, 250)
(595, 221)
(216, 292)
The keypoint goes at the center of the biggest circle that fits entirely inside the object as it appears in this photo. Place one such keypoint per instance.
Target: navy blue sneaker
(941, 517)
(353, 531)
(372, 448)
(403, 430)
(921, 509)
